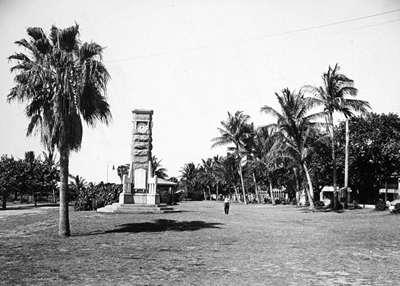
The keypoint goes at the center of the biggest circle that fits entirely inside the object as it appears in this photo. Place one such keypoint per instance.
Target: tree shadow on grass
(320, 210)
(159, 226)
(28, 206)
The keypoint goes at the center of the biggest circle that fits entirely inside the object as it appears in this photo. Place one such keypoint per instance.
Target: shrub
(166, 197)
(195, 196)
(380, 206)
(319, 204)
(97, 196)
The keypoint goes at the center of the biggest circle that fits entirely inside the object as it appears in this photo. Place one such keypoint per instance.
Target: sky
(191, 62)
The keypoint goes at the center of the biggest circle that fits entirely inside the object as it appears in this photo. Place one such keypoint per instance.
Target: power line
(272, 35)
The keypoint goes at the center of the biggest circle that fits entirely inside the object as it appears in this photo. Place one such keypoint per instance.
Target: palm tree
(158, 170)
(53, 164)
(332, 96)
(227, 171)
(76, 185)
(122, 170)
(188, 177)
(262, 153)
(216, 163)
(296, 129)
(206, 174)
(64, 82)
(237, 131)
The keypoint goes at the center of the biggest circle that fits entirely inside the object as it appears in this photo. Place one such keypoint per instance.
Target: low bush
(195, 196)
(319, 204)
(166, 198)
(380, 206)
(97, 196)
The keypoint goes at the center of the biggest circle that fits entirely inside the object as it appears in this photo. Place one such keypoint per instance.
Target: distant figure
(226, 204)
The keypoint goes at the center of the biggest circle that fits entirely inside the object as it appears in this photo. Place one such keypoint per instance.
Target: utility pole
(346, 164)
(107, 168)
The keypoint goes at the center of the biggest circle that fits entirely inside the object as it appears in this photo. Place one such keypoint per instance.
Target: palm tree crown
(332, 94)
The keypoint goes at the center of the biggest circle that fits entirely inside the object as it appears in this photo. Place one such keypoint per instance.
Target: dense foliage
(97, 196)
(380, 206)
(374, 153)
(31, 177)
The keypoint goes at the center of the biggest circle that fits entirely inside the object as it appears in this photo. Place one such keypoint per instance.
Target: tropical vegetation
(29, 179)
(303, 151)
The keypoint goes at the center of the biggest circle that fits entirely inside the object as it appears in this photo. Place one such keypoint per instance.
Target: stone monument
(139, 187)
(139, 193)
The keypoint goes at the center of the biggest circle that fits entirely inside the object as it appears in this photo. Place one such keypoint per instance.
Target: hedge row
(97, 196)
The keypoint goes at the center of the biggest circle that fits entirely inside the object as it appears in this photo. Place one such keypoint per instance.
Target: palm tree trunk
(272, 193)
(241, 180)
(217, 192)
(54, 196)
(297, 187)
(4, 202)
(310, 191)
(63, 229)
(256, 187)
(334, 173)
(34, 199)
(236, 192)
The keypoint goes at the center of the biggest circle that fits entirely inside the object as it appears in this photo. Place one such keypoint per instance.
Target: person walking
(226, 204)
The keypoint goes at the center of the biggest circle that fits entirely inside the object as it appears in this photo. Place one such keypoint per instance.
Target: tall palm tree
(332, 96)
(296, 128)
(63, 82)
(237, 131)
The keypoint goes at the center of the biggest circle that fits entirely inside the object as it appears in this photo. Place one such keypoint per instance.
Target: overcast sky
(192, 61)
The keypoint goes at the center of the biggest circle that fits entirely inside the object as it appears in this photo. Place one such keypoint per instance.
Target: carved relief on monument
(141, 138)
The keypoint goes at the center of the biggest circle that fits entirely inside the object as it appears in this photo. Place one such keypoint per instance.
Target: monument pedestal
(139, 198)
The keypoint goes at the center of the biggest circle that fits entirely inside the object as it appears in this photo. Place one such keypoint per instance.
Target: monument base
(137, 209)
(139, 198)
(126, 198)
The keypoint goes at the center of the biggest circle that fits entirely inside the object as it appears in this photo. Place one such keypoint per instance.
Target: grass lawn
(253, 245)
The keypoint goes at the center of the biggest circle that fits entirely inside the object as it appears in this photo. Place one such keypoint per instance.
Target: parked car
(392, 205)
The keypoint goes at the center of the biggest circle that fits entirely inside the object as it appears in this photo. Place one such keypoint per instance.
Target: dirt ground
(253, 245)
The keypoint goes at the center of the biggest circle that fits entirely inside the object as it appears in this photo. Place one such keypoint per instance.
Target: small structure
(139, 192)
(391, 189)
(280, 194)
(326, 194)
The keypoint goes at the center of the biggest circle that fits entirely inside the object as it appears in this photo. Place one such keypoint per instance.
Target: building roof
(165, 182)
